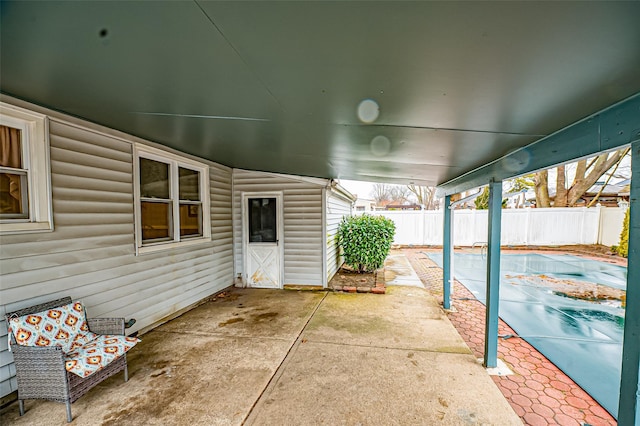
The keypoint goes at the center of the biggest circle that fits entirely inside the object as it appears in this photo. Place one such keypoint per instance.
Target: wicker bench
(41, 372)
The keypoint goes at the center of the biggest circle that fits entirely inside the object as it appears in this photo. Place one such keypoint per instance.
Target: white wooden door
(262, 223)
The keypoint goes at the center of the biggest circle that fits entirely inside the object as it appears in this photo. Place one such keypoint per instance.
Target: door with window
(262, 223)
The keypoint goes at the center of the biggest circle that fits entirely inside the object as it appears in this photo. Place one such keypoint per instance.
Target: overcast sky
(363, 189)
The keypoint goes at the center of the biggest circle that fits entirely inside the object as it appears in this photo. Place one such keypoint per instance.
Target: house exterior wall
(91, 254)
(364, 205)
(302, 210)
(337, 207)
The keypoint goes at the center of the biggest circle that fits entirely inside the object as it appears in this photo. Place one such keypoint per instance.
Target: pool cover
(582, 338)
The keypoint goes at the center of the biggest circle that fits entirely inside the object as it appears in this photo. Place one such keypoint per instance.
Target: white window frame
(174, 161)
(35, 149)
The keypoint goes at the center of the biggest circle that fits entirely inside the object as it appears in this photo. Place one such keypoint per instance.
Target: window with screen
(14, 198)
(156, 206)
(25, 189)
(171, 200)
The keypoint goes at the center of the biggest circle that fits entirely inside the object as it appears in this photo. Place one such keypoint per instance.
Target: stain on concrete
(265, 316)
(230, 321)
(468, 417)
(353, 325)
(389, 275)
(162, 392)
(226, 297)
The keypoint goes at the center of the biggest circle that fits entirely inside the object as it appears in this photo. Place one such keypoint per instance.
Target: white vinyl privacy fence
(552, 226)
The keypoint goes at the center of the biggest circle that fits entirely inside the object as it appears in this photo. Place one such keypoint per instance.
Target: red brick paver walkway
(539, 392)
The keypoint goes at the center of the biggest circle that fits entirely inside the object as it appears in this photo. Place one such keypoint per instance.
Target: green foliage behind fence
(366, 241)
(623, 248)
(482, 201)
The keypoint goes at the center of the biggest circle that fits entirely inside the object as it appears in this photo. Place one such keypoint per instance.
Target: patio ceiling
(276, 86)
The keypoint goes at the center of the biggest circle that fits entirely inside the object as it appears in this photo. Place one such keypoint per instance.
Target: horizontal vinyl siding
(90, 255)
(337, 208)
(302, 210)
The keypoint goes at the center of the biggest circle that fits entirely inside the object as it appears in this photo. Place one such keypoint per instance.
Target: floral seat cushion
(66, 326)
(98, 353)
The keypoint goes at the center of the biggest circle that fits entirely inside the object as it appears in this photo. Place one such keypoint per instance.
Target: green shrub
(366, 241)
(482, 200)
(623, 248)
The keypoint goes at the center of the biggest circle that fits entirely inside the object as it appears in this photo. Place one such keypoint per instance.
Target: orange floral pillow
(64, 326)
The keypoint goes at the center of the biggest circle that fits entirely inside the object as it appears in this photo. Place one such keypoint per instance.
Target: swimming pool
(583, 338)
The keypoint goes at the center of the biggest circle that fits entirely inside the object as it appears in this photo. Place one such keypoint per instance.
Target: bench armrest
(42, 355)
(40, 372)
(106, 325)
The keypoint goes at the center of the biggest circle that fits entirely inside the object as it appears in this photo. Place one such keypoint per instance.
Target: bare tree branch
(384, 194)
(586, 175)
(425, 195)
(600, 166)
(381, 193)
(608, 179)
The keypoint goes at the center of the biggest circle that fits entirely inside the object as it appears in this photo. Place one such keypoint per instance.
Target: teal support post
(628, 410)
(493, 276)
(447, 252)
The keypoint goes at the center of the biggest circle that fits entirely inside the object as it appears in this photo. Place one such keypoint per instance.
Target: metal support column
(628, 406)
(447, 249)
(493, 276)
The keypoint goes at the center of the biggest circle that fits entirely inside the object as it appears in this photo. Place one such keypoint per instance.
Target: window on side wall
(25, 190)
(172, 197)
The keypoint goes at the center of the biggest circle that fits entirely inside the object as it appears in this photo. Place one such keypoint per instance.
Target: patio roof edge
(606, 130)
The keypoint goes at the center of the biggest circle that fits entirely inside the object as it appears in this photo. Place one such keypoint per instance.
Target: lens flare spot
(368, 111)
(517, 161)
(380, 146)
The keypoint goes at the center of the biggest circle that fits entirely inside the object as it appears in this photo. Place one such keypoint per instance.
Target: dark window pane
(13, 196)
(262, 220)
(189, 183)
(154, 179)
(156, 222)
(190, 220)
(10, 147)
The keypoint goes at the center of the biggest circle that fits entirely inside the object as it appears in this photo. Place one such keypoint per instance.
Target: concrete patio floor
(275, 357)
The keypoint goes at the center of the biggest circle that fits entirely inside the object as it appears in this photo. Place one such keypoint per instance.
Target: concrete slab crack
(250, 418)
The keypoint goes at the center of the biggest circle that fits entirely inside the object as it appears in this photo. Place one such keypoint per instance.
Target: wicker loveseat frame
(41, 371)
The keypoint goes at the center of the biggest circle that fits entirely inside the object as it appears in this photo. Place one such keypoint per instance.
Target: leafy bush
(482, 200)
(366, 241)
(623, 248)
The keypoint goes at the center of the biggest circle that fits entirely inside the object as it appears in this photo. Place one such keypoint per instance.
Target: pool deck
(539, 392)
